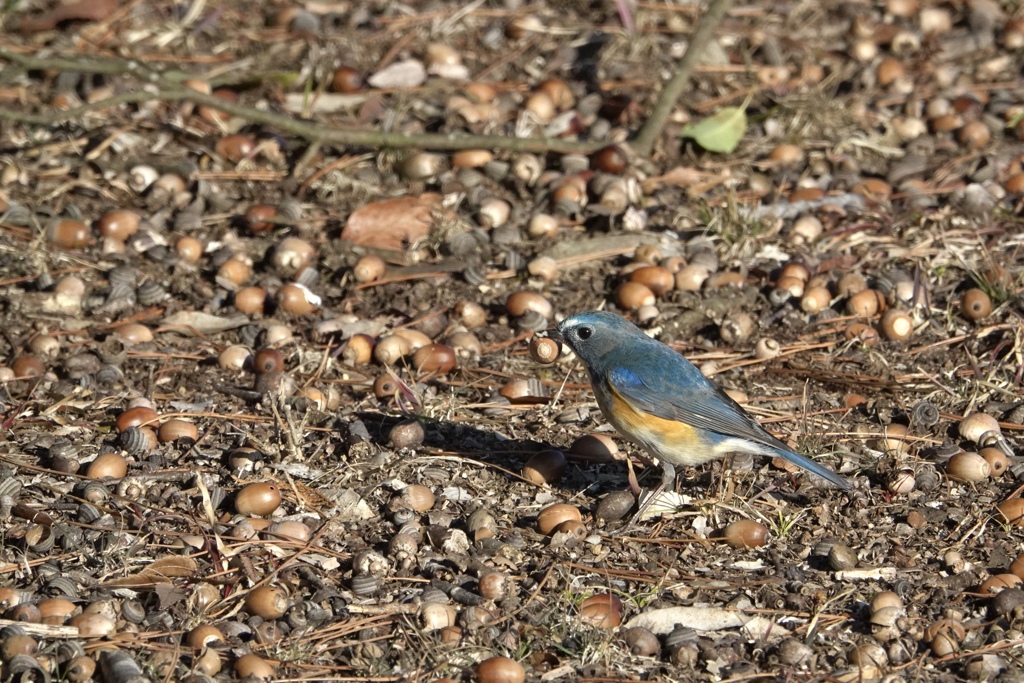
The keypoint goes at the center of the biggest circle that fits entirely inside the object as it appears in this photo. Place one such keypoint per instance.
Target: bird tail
(825, 473)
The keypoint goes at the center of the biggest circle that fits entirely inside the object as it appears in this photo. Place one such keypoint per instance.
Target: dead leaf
(174, 565)
(140, 580)
(159, 572)
(707, 618)
(405, 74)
(190, 323)
(326, 103)
(392, 223)
(680, 176)
(169, 595)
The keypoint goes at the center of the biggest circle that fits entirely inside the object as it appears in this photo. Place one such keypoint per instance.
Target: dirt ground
(278, 419)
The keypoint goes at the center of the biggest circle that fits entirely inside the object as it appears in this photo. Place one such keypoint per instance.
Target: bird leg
(668, 478)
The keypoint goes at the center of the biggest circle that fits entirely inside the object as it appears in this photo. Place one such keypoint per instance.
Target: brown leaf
(160, 572)
(392, 223)
(680, 176)
(87, 10)
(174, 566)
(169, 595)
(143, 579)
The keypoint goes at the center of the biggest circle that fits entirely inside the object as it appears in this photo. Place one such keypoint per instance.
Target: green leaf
(720, 132)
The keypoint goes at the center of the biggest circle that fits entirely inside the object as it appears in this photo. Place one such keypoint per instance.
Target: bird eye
(584, 333)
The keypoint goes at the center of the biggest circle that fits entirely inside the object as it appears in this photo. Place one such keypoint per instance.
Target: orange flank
(658, 436)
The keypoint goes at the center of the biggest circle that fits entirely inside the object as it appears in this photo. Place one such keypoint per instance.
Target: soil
(881, 152)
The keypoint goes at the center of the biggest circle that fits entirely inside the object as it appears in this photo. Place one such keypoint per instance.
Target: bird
(656, 398)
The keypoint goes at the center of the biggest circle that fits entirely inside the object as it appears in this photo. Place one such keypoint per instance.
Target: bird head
(592, 335)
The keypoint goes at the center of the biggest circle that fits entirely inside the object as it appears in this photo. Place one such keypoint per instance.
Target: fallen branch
(643, 143)
(167, 87)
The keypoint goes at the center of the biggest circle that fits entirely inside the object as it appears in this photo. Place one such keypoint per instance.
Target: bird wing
(700, 403)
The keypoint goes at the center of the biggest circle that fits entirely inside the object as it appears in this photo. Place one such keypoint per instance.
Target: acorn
(251, 300)
(177, 430)
(896, 325)
(421, 166)
(737, 327)
(902, 482)
(975, 305)
(385, 387)
(108, 466)
(470, 314)
(850, 284)
(631, 296)
(1017, 567)
(471, 158)
(975, 426)
(945, 637)
(134, 333)
(119, 224)
(692, 277)
(69, 234)
(544, 350)
(346, 80)
(968, 467)
(254, 668)
(267, 602)
(767, 348)
(500, 670)
(862, 332)
(543, 267)
(998, 583)
(235, 147)
(815, 299)
(435, 358)
(268, 360)
(494, 213)
(233, 273)
(466, 344)
(519, 303)
(545, 467)
(863, 304)
(746, 533)
(551, 517)
(494, 585)
(657, 279)
(610, 159)
(369, 268)
(260, 217)
(259, 498)
(298, 299)
(542, 225)
(203, 635)
(27, 366)
(996, 459)
(406, 434)
(92, 625)
(189, 249)
(291, 255)
(602, 611)
(805, 230)
(418, 497)
(136, 417)
(595, 448)
(1012, 511)
(787, 155)
(358, 349)
(390, 349)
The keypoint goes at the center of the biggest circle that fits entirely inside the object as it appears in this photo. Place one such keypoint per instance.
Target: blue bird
(655, 397)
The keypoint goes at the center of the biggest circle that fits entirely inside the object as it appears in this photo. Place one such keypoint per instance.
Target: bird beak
(553, 333)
